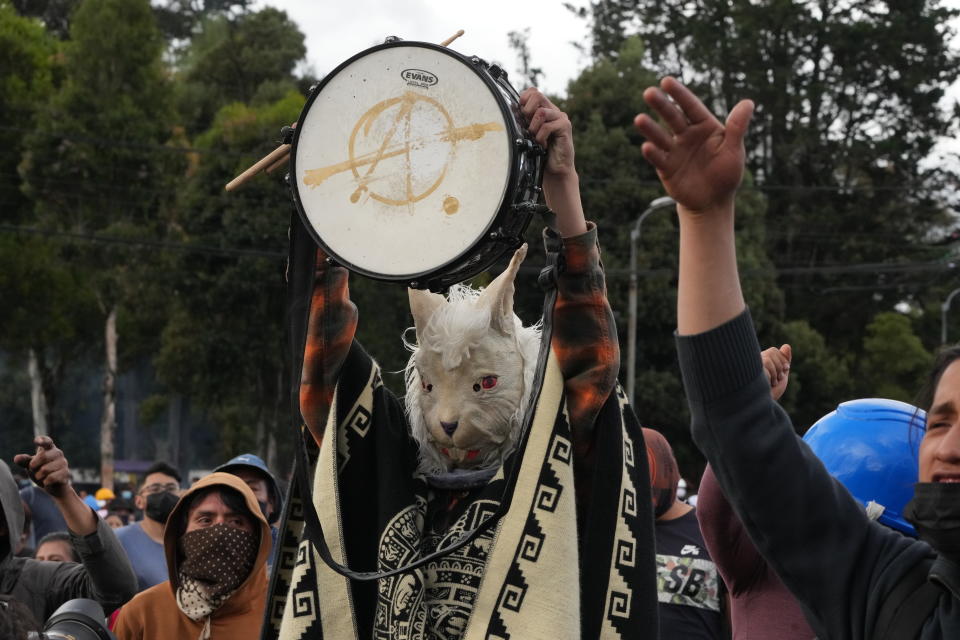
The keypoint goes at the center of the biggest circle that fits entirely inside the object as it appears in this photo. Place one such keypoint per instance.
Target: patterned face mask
(218, 557)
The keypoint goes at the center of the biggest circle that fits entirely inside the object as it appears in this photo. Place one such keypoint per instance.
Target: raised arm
(330, 331)
(700, 163)
(781, 492)
(105, 573)
(585, 338)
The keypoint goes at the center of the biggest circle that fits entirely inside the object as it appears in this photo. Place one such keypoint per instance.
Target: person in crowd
(143, 540)
(216, 542)
(469, 381)
(56, 547)
(760, 605)
(88, 499)
(254, 471)
(104, 574)
(123, 509)
(854, 578)
(44, 516)
(16, 621)
(692, 601)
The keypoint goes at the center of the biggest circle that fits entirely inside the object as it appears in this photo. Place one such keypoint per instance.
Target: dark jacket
(104, 574)
(840, 565)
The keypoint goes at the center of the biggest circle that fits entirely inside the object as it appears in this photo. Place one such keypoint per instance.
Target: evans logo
(419, 77)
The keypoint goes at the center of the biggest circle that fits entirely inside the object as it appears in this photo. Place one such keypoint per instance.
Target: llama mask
(470, 374)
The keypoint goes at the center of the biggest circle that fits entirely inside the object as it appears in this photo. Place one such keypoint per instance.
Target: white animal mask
(470, 375)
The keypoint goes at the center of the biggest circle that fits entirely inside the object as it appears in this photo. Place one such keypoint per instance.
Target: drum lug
(497, 71)
(392, 39)
(525, 145)
(286, 134)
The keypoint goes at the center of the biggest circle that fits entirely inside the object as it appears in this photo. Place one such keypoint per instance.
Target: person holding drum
(456, 521)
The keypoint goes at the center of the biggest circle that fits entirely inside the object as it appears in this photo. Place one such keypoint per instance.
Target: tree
(847, 109)
(248, 57)
(224, 345)
(93, 168)
(617, 184)
(894, 362)
(820, 379)
(529, 75)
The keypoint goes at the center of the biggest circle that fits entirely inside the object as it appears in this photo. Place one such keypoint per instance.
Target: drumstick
(279, 163)
(281, 155)
(266, 161)
(446, 43)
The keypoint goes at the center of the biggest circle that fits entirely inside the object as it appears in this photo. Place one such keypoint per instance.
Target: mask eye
(487, 382)
(426, 387)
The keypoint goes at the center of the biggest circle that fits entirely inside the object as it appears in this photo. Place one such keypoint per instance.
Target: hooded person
(102, 572)
(254, 471)
(217, 543)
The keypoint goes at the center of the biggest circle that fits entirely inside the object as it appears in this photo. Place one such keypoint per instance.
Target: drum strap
(313, 531)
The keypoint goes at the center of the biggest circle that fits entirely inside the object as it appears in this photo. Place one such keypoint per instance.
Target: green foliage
(894, 362)
(238, 58)
(224, 345)
(847, 108)
(25, 82)
(617, 185)
(820, 378)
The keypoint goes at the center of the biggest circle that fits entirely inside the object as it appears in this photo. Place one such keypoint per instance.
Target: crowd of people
(775, 548)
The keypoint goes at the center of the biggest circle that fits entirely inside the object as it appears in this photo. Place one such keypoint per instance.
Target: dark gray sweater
(838, 564)
(103, 574)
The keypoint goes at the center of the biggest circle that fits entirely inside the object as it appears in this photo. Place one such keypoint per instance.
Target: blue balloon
(871, 446)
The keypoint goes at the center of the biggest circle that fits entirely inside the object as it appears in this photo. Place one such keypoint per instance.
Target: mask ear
(498, 297)
(422, 305)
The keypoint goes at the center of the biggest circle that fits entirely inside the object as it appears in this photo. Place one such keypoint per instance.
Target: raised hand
(776, 364)
(699, 160)
(552, 130)
(48, 466)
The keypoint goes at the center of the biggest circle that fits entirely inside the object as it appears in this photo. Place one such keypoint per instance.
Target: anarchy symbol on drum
(400, 149)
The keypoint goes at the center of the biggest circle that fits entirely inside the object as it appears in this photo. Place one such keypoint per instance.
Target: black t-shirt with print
(688, 585)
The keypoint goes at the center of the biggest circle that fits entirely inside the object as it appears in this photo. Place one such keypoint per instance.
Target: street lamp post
(943, 315)
(659, 203)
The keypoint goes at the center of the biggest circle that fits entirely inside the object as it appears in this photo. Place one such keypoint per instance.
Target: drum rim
(422, 279)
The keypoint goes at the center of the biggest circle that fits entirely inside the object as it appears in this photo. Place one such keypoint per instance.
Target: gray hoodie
(105, 574)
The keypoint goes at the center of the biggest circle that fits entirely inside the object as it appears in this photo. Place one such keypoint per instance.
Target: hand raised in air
(699, 160)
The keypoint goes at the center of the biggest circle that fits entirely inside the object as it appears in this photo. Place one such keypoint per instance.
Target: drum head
(402, 160)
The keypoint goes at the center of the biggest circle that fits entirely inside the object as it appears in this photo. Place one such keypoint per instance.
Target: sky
(337, 29)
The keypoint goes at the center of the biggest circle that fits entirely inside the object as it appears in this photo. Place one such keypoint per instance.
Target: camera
(78, 619)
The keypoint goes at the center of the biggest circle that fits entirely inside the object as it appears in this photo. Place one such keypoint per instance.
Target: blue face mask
(126, 495)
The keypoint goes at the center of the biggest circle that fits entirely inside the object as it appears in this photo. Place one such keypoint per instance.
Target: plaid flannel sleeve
(330, 332)
(584, 332)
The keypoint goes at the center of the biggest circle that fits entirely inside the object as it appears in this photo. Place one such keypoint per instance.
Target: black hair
(230, 496)
(16, 620)
(944, 359)
(59, 536)
(164, 468)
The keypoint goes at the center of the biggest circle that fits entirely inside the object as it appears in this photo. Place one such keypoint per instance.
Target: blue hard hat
(871, 446)
(252, 461)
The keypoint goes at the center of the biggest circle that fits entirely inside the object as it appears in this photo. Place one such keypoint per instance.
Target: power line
(153, 244)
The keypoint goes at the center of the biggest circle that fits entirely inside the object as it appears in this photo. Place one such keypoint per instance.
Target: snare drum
(410, 163)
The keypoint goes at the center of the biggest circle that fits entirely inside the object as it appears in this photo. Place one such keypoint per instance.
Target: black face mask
(159, 506)
(935, 512)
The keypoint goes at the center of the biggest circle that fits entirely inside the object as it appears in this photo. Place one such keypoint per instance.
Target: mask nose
(448, 427)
